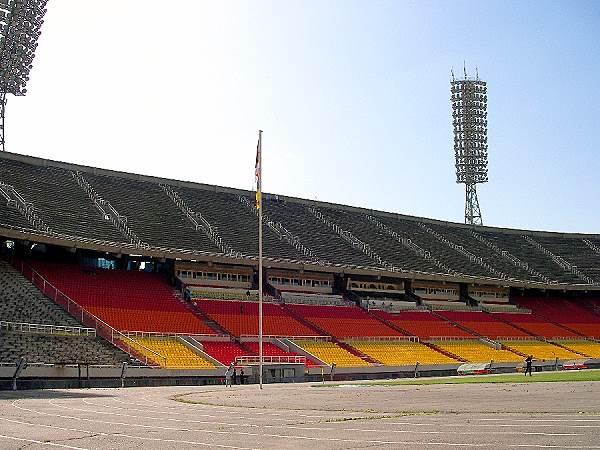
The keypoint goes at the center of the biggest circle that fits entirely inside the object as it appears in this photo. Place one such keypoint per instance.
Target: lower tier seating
(58, 349)
(588, 348)
(484, 324)
(168, 322)
(176, 354)
(126, 300)
(21, 301)
(241, 318)
(399, 353)
(423, 324)
(473, 350)
(330, 352)
(224, 352)
(541, 350)
(535, 325)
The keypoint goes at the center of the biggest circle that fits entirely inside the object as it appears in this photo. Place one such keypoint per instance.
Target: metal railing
(283, 233)
(200, 222)
(108, 211)
(408, 243)
(560, 261)
(463, 251)
(112, 335)
(24, 327)
(512, 258)
(15, 200)
(251, 359)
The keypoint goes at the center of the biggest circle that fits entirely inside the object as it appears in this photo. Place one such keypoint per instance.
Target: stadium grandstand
(101, 268)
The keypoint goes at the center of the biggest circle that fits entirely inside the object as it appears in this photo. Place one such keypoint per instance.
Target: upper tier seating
(126, 300)
(237, 224)
(566, 313)
(153, 217)
(176, 355)
(21, 301)
(343, 321)
(241, 318)
(330, 352)
(541, 350)
(323, 242)
(472, 350)
(484, 324)
(423, 324)
(150, 213)
(525, 251)
(58, 200)
(58, 349)
(400, 353)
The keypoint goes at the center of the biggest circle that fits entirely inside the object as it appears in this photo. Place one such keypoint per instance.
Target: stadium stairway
(322, 332)
(443, 351)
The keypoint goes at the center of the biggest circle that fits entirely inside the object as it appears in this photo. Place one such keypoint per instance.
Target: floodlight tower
(20, 25)
(469, 119)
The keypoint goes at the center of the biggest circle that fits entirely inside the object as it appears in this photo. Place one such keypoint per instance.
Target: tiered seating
(224, 352)
(566, 313)
(588, 348)
(64, 206)
(484, 324)
(128, 301)
(343, 321)
(541, 350)
(240, 318)
(324, 243)
(237, 224)
(442, 252)
(462, 236)
(21, 301)
(176, 354)
(58, 349)
(472, 350)
(58, 200)
(330, 352)
(399, 353)
(422, 324)
(525, 251)
(536, 325)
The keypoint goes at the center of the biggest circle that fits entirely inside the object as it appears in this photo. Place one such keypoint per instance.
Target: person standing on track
(528, 365)
(229, 374)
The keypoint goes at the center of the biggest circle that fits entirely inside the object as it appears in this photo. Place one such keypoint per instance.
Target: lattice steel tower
(20, 24)
(469, 119)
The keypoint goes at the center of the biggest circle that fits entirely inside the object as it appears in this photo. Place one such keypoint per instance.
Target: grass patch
(541, 377)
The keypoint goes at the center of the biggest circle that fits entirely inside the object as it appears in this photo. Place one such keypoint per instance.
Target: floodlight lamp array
(469, 119)
(20, 28)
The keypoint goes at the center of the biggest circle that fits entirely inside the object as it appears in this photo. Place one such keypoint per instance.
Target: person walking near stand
(529, 365)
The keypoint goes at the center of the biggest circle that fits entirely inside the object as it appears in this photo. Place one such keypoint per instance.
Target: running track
(541, 415)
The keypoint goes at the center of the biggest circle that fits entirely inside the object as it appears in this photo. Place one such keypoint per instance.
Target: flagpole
(260, 265)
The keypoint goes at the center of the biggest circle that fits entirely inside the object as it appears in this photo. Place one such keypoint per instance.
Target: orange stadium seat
(343, 321)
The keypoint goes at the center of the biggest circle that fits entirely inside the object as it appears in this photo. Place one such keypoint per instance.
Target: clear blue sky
(353, 97)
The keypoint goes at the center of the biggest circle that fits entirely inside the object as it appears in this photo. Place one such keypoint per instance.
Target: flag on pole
(257, 170)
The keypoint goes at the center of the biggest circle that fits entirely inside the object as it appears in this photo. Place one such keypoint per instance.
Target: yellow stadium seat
(541, 350)
(176, 355)
(400, 353)
(473, 350)
(588, 348)
(330, 352)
